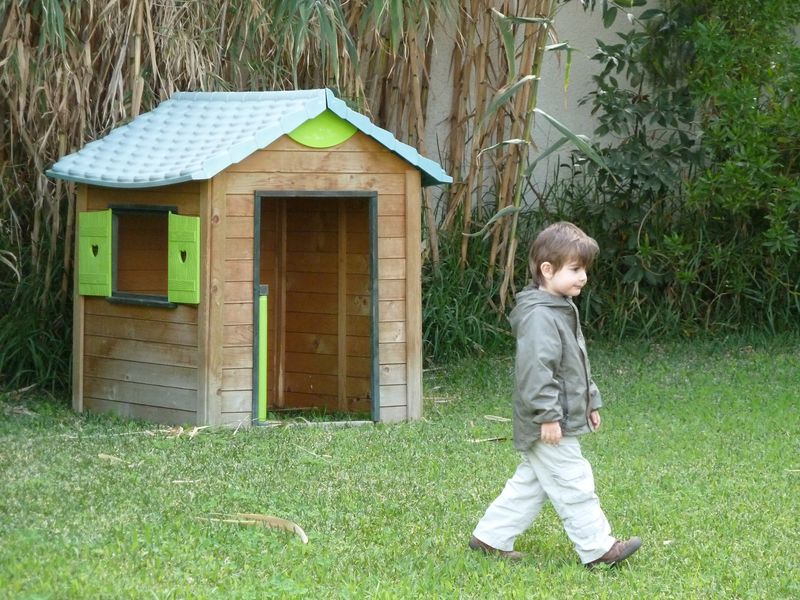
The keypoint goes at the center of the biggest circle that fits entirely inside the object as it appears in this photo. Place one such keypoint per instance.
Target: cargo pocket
(575, 484)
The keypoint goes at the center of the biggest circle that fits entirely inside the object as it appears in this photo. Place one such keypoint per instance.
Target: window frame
(118, 297)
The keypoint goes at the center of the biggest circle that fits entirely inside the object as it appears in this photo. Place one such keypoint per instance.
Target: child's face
(567, 281)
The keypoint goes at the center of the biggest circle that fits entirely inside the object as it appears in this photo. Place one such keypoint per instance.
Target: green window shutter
(94, 253)
(183, 264)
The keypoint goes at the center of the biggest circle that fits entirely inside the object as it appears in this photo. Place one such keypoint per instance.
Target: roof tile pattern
(195, 135)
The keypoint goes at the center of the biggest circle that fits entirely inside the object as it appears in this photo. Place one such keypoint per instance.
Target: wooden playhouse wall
(359, 164)
(139, 361)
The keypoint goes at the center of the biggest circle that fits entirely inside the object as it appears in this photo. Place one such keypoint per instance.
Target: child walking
(555, 400)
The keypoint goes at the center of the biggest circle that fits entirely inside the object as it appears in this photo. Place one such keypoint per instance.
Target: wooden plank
(392, 332)
(281, 265)
(327, 324)
(185, 197)
(311, 282)
(240, 357)
(358, 284)
(241, 183)
(239, 227)
(237, 379)
(320, 161)
(391, 289)
(391, 247)
(239, 313)
(123, 370)
(141, 393)
(312, 220)
(392, 268)
(237, 335)
(413, 336)
(310, 343)
(359, 346)
(326, 242)
(318, 401)
(236, 419)
(78, 308)
(240, 205)
(311, 383)
(181, 334)
(183, 313)
(143, 412)
(393, 414)
(238, 291)
(391, 353)
(342, 299)
(359, 366)
(393, 395)
(358, 263)
(323, 304)
(306, 362)
(311, 262)
(237, 401)
(392, 374)
(393, 227)
(239, 249)
(391, 310)
(147, 352)
(239, 270)
(357, 305)
(358, 242)
(391, 205)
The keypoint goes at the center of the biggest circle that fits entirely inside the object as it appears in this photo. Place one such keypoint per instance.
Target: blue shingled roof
(195, 135)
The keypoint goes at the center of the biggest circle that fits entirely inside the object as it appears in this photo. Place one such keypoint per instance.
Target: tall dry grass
(72, 71)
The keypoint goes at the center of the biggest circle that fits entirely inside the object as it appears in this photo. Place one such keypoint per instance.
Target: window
(139, 254)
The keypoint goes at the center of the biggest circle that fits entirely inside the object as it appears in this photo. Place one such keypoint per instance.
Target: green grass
(699, 454)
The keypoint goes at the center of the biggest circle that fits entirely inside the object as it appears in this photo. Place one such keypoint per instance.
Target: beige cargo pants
(562, 475)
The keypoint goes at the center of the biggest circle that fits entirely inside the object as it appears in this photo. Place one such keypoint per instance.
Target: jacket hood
(532, 296)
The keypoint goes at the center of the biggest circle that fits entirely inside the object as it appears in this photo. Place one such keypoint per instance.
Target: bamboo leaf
(544, 154)
(396, 19)
(505, 94)
(580, 141)
(507, 36)
(503, 212)
(515, 141)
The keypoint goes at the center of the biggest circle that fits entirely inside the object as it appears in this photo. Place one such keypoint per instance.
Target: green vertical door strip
(183, 262)
(94, 253)
(323, 131)
(262, 355)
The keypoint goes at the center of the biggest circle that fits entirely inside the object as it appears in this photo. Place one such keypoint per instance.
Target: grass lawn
(699, 455)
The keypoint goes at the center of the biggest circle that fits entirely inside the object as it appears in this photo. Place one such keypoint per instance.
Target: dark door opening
(315, 293)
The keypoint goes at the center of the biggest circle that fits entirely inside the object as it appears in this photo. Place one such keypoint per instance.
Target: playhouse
(245, 251)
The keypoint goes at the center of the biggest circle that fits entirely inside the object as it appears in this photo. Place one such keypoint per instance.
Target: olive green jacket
(553, 381)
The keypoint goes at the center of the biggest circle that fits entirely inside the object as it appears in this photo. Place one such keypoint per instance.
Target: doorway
(315, 305)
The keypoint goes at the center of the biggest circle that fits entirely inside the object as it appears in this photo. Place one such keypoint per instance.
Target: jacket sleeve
(595, 400)
(538, 358)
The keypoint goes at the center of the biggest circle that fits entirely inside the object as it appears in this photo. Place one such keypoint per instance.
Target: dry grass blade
(262, 520)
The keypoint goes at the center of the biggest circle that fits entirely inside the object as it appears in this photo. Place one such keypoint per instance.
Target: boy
(555, 400)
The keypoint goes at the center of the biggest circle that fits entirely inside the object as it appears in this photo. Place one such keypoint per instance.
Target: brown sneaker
(511, 555)
(618, 552)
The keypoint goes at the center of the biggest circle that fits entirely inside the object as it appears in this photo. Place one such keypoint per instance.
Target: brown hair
(559, 244)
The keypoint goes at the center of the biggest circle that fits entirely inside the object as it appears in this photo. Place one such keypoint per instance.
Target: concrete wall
(581, 30)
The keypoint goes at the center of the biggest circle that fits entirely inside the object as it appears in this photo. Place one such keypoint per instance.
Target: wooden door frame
(372, 197)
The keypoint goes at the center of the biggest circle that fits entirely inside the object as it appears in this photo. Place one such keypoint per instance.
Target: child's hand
(594, 419)
(551, 433)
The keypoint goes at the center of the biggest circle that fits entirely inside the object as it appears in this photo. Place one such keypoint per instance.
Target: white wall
(581, 30)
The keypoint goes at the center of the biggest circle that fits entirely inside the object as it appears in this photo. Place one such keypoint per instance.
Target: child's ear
(547, 269)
